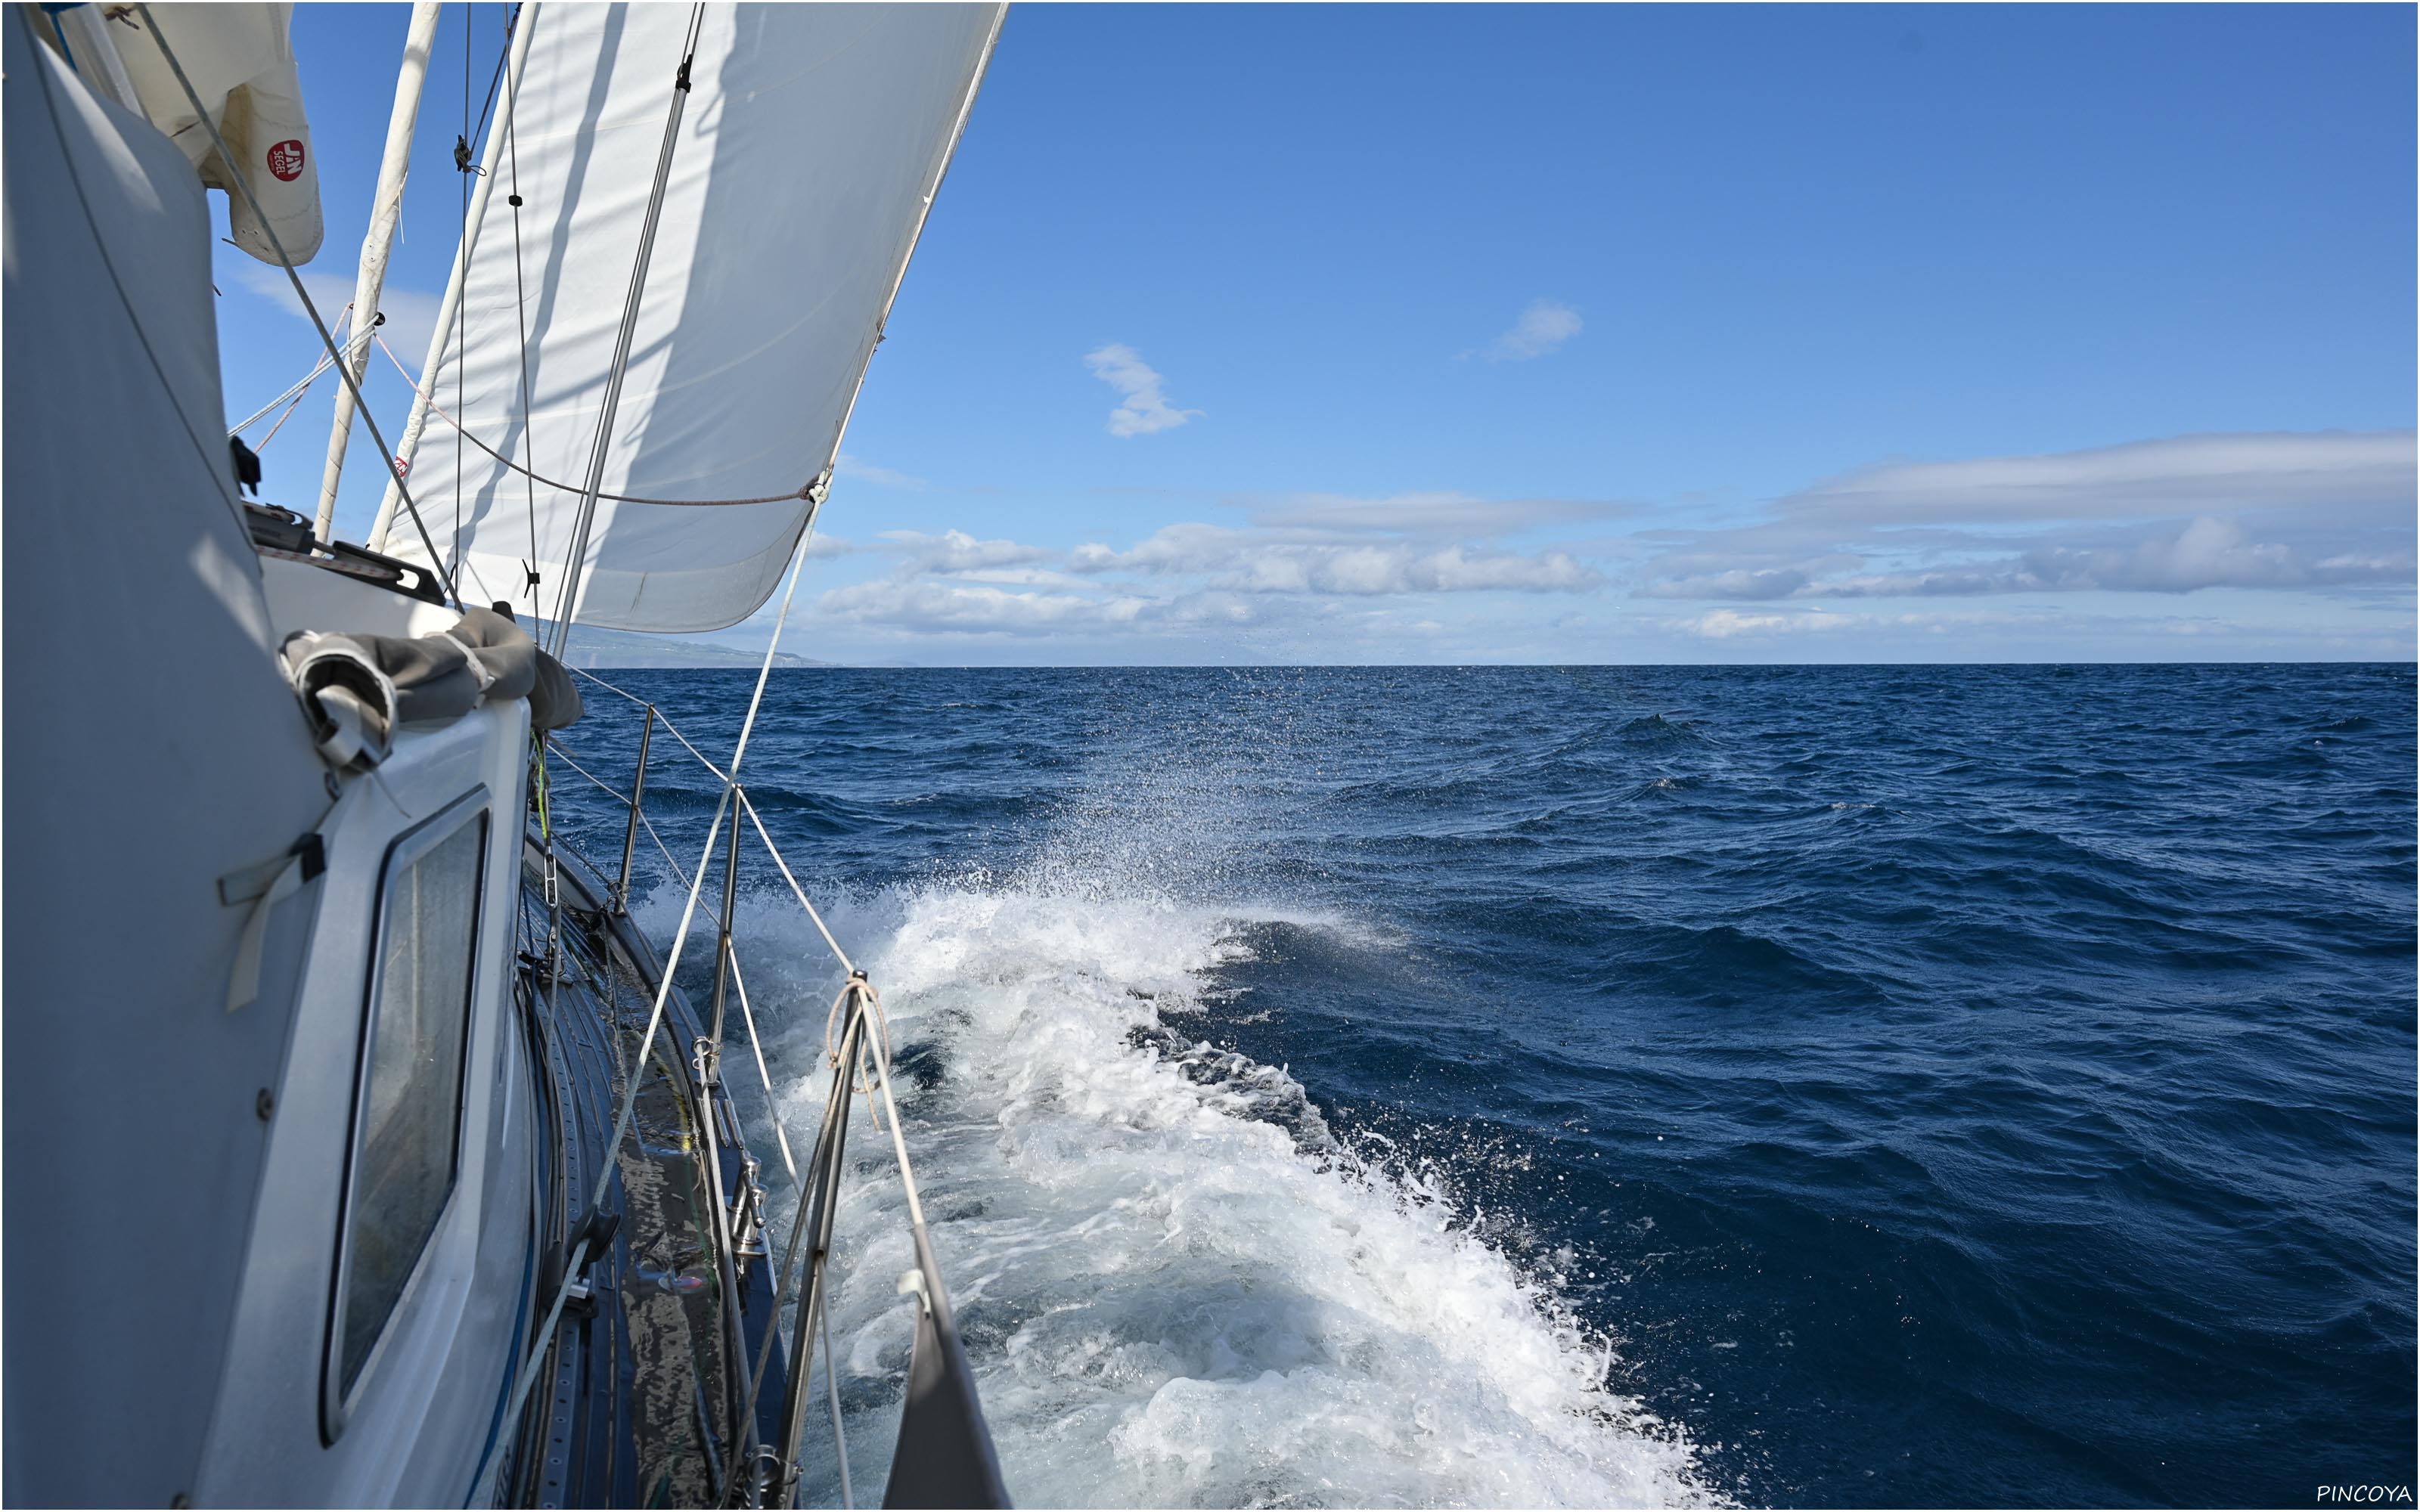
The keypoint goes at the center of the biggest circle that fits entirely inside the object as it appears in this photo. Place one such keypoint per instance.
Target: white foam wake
(1167, 1303)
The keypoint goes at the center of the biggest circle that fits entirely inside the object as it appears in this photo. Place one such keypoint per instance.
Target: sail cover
(810, 147)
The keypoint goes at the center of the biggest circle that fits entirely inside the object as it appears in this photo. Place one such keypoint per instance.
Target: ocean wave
(1981, 1085)
(1178, 1286)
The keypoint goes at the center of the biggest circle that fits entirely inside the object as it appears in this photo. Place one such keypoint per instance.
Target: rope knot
(856, 995)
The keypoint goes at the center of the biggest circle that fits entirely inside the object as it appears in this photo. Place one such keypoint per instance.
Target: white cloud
(945, 607)
(929, 606)
(1185, 580)
(2175, 475)
(955, 551)
(851, 467)
(1458, 514)
(2206, 553)
(1142, 408)
(1738, 582)
(1545, 325)
(1723, 623)
(1246, 561)
(411, 315)
(2254, 511)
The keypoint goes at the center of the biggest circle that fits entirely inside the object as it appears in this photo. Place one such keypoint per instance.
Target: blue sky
(1569, 333)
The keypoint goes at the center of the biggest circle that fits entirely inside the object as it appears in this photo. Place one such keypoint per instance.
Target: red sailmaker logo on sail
(285, 160)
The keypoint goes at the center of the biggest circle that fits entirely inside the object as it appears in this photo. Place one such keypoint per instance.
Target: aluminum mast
(386, 209)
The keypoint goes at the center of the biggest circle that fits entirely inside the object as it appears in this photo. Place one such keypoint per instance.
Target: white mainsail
(808, 151)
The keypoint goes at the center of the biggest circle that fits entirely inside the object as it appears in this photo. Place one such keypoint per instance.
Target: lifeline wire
(661, 717)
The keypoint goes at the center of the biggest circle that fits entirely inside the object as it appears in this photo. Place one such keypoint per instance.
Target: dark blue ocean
(1963, 1085)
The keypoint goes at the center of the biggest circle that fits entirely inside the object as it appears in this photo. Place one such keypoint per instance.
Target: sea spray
(1170, 1296)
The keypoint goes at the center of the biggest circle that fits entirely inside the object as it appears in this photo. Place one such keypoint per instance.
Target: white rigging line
(661, 717)
(294, 392)
(556, 746)
(765, 1076)
(846, 965)
(280, 425)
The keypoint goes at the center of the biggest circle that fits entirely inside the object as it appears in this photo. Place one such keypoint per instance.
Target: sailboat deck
(637, 1406)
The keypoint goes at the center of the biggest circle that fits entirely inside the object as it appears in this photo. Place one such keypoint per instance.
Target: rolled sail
(812, 143)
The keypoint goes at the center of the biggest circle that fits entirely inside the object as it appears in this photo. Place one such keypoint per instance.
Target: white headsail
(811, 147)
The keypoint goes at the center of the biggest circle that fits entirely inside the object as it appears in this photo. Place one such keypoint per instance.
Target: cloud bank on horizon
(2332, 509)
(1886, 548)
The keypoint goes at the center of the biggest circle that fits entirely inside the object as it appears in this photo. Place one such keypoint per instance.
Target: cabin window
(407, 1102)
